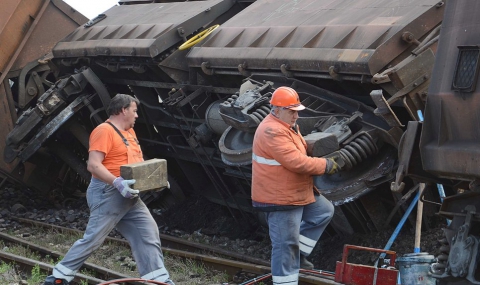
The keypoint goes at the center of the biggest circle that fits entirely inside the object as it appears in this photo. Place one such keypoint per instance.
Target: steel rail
(170, 242)
(30, 263)
(105, 272)
(231, 267)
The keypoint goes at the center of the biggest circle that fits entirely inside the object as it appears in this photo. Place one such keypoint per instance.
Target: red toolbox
(358, 274)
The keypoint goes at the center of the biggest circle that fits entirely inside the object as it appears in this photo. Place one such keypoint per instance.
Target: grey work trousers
(294, 232)
(108, 208)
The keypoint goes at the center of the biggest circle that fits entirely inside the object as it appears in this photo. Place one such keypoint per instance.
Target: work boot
(51, 280)
(304, 263)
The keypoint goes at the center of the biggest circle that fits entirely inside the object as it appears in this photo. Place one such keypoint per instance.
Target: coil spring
(358, 150)
(260, 114)
(231, 99)
(440, 266)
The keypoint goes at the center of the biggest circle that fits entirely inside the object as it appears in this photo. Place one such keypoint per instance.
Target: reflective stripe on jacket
(281, 170)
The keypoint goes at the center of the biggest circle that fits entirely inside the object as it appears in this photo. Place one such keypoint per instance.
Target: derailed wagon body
(353, 64)
(445, 148)
(28, 31)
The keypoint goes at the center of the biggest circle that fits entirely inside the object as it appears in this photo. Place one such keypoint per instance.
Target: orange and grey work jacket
(281, 170)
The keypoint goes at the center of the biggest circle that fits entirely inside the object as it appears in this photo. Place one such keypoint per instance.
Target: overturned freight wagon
(361, 68)
(28, 30)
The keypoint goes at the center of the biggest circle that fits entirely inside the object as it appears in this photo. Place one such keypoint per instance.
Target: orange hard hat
(287, 98)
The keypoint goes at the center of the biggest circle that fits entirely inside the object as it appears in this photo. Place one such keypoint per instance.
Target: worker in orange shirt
(283, 190)
(112, 202)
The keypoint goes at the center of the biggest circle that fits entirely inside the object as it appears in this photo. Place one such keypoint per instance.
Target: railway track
(27, 264)
(224, 261)
(168, 243)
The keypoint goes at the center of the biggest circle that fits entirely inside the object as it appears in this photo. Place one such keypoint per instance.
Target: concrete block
(149, 175)
(320, 144)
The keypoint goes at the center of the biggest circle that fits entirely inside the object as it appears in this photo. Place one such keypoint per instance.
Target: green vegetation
(4, 267)
(111, 255)
(186, 271)
(37, 276)
(9, 275)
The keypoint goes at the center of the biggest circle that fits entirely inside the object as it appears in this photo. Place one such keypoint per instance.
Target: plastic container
(414, 269)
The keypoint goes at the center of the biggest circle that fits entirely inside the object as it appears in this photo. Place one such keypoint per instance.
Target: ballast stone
(149, 175)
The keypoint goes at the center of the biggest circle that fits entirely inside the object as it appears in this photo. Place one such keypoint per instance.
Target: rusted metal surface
(141, 30)
(7, 118)
(360, 37)
(450, 141)
(28, 30)
(17, 24)
(410, 78)
(456, 205)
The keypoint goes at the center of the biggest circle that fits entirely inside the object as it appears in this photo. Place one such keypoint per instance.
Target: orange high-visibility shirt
(105, 139)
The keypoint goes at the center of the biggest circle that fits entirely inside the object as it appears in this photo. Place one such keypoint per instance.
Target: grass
(4, 267)
(37, 276)
(9, 275)
(110, 255)
(192, 272)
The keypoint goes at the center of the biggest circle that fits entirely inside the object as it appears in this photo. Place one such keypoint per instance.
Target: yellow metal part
(198, 38)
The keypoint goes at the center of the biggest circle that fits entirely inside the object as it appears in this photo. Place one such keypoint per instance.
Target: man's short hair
(119, 102)
(274, 109)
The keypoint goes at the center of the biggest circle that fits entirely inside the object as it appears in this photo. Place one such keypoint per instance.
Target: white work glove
(123, 186)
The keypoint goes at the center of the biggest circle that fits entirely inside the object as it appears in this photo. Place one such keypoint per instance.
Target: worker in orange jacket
(283, 190)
